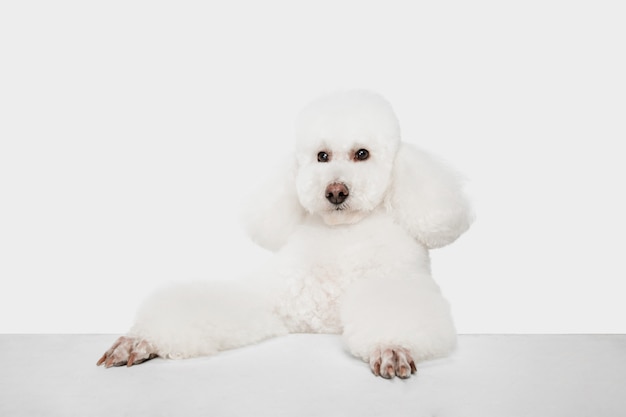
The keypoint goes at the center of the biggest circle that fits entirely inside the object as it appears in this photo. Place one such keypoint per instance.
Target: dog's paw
(128, 351)
(392, 361)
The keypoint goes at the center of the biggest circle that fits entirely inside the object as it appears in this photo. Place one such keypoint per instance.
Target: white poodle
(351, 219)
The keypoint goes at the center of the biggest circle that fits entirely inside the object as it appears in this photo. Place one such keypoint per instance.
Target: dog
(351, 217)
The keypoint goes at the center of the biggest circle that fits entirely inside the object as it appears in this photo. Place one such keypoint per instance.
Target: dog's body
(351, 221)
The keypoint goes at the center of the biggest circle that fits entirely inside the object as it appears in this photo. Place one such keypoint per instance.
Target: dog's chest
(320, 263)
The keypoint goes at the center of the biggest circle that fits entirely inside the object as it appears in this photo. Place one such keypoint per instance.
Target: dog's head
(345, 147)
(349, 161)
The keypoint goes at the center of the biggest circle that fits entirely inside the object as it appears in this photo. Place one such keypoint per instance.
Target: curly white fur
(358, 265)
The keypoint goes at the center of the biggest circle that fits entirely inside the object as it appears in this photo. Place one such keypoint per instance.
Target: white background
(130, 131)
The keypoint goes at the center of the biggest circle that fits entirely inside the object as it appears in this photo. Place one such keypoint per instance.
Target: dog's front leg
(394, 323)
(192, 320)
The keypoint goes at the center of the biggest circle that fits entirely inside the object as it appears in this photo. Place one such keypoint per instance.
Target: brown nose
(337, 193)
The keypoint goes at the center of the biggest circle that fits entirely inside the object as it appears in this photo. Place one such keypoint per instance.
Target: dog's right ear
(273, 211)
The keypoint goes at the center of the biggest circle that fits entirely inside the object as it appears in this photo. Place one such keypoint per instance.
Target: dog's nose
(337, 193)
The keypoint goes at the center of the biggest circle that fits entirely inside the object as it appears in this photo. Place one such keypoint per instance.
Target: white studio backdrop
(131, 131)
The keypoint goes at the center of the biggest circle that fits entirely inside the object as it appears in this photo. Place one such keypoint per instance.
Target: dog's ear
(427, 198)
(273, 211)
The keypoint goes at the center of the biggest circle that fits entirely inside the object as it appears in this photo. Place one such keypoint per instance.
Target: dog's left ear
(273, 211)
(427, 198)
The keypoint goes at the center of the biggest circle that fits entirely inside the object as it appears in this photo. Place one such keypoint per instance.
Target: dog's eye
(361, 155)
(323, 157)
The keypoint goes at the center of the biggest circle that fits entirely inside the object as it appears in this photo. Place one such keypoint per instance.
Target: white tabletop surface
(312, 375)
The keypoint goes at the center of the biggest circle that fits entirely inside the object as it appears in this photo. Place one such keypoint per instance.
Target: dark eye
(361, 155)
(323, 157)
